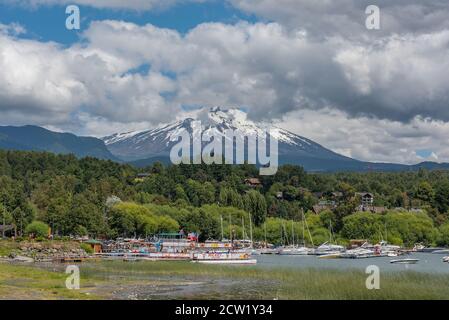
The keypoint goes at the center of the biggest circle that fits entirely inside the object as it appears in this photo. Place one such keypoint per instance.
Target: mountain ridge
(142, 148)
(35, 138)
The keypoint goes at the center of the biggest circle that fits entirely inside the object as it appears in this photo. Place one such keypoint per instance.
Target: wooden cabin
(95, 245)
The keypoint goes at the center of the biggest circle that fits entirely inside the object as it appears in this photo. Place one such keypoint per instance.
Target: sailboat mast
(230, 228)
(331, 239)
(250, 229)
(265, 231)
(282, 236)
(293, 235)
(303, 229)
(286, 234)
(222, 231)
(308, 230)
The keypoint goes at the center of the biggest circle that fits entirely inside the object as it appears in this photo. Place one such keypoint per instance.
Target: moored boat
(358, 253)
(328, 248)
(296, 251)
(405, 261)
(223, 258)
(229, 261)
(267, 251)
(331, 255)
(441, 251)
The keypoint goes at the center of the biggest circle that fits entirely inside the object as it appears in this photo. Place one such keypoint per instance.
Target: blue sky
(47, 23)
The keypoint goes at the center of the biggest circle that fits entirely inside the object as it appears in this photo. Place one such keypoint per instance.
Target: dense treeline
(105, 199)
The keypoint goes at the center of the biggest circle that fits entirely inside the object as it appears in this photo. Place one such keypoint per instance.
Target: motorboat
(328, 248)
(296, 251)
(386, 249)
(358, 253)
(419, 247)
(392, 254)
(267, 251)
(441, 251)
(222, 258)
(405, 261)
(331, 255)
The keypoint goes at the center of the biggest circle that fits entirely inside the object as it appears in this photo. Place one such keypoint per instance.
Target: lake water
(429, 263)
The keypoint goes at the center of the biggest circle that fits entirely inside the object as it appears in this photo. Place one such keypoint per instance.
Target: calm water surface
(430, 263)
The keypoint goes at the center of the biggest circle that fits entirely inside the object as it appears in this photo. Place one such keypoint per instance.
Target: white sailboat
(267, 249)
(248, 247)
(328, 249)
(295, 250)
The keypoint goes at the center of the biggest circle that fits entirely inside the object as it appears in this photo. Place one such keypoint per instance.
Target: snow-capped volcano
(148, 145)
(145, 147)
(214, 120)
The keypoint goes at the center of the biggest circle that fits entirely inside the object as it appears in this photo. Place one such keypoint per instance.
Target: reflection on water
(430, 263)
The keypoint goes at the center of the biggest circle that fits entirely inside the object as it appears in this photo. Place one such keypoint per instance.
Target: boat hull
(330, 256)
(405, 261)
(443, 251)
(238, 261)
(296, 253)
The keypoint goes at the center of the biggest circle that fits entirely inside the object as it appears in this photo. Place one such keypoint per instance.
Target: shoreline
(183, 280)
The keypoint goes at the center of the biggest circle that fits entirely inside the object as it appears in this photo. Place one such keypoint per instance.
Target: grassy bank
(178, 280)
(250, 282)
(19, 282)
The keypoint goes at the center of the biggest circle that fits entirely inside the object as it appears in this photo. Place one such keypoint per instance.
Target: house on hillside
(140, 177)
(336, 195)
(328, 199)
(366, 199)
(253, 182)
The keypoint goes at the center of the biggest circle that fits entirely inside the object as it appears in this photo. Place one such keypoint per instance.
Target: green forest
(105, 199)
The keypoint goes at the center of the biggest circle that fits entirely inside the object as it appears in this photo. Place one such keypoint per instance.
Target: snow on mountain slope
(152, 143)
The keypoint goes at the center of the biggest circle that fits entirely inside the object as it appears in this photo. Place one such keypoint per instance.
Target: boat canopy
(173, 235)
